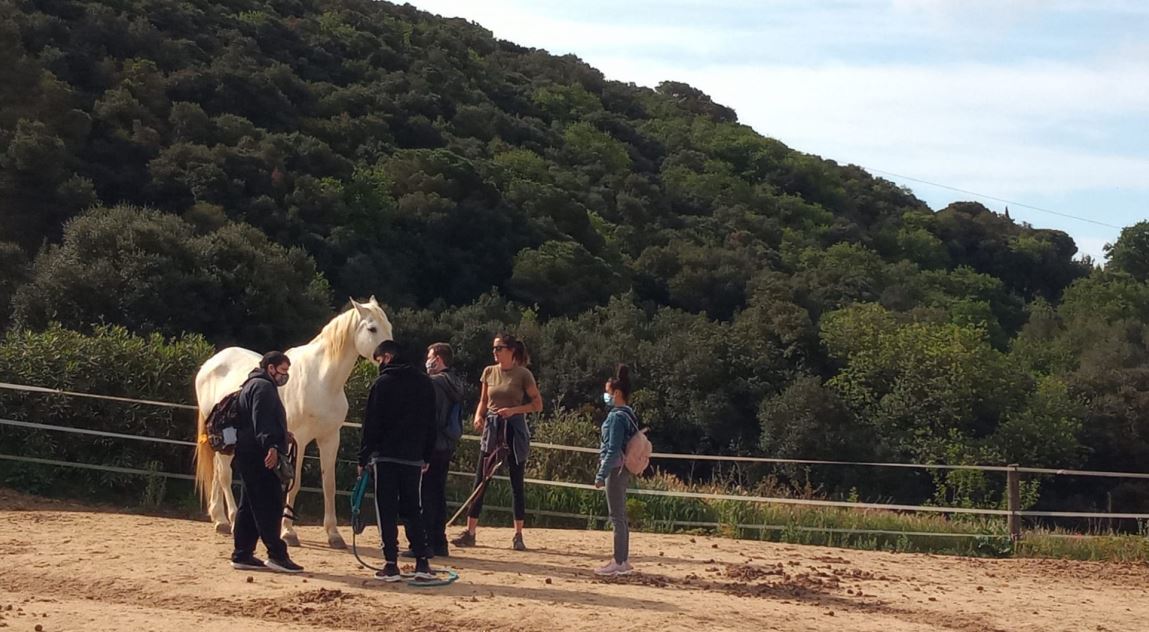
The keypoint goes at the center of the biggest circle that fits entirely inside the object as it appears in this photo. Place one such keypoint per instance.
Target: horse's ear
(361, 308)
(373, 301)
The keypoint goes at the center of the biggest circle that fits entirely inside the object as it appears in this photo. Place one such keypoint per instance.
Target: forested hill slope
(269, 158)
(424, 160)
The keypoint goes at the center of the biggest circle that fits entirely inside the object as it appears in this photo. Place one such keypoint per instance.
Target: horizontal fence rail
(579, 486)
(658, 455)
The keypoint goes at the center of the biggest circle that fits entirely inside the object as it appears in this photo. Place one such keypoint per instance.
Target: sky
(1042, 103)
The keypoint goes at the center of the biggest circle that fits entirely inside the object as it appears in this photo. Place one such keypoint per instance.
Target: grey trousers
(616, 483)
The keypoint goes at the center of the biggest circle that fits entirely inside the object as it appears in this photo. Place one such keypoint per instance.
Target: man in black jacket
(398, 438)
(448, 428)
(258, 446)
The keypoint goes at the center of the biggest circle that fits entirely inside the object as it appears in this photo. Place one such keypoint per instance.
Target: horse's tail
(204, 460)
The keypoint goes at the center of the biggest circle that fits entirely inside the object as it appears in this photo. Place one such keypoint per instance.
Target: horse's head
(374, 327)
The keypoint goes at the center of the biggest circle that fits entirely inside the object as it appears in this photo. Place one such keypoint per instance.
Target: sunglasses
(498, 348)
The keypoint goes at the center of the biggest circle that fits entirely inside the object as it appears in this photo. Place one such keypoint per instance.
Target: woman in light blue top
(620, 425)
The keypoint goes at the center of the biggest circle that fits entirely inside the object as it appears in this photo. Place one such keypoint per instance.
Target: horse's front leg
(328, 459)
(288, 531)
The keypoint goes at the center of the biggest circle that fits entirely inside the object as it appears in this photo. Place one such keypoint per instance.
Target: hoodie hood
(394, 368)
(450, 384)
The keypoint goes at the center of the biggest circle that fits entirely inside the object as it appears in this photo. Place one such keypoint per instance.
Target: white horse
(314, 399)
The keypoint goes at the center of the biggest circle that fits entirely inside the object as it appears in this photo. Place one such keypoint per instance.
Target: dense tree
(152, 273)
(1130, 253)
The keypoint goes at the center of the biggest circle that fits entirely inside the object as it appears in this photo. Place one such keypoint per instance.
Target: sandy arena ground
(68, 567)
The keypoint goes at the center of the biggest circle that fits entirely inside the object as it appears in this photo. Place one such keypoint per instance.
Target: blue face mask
(608, 399)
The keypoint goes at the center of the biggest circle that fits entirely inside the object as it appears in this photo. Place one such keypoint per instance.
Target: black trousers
(260, 509)
(518, 493)
(435, 497)
(397, 495)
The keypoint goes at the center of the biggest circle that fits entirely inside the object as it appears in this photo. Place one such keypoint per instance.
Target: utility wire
(990, 197)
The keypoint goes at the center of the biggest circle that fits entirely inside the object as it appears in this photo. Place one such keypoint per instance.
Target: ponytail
(621, 381)
(518, 348)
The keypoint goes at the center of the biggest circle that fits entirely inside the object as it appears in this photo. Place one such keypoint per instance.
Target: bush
(110, 362)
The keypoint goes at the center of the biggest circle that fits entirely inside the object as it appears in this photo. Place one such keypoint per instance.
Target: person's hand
(503, 413)
(272, 459)
(426, 466)
(290, 437)
(478, 423)
(598, 484)
(359, 470)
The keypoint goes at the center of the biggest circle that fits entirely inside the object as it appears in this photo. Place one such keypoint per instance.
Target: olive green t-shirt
(507, 388)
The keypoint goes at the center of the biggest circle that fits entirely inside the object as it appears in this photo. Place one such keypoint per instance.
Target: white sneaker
(609, 570)
(624, 569)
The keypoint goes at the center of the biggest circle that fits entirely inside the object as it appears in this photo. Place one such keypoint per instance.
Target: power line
(996, 199)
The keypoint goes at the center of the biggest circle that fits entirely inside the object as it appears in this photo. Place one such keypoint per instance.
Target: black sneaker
(410, 553)
(465, 538)
(517, 543)
(390, 573)
(284, 565)
(423, 570)
(248, 563)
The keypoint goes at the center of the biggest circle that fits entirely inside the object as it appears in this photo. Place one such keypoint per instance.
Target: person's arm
(265, 408)
(615, 435)
(429, 411)
(481, 411)
(368, 424)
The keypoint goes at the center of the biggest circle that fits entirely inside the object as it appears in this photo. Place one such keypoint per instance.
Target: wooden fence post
(1014, 484)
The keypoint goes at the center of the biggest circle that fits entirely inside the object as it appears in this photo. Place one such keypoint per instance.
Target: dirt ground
(69, 567)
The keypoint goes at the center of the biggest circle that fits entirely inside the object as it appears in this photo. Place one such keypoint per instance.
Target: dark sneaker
(423, 569)
(390, 573)
(284, 565)
(410, 553)
(517, 543)
(248, 563)
(465, 538)
(442, 550)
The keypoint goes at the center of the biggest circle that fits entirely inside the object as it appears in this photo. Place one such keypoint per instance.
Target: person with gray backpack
(624, 451)
(448, 430)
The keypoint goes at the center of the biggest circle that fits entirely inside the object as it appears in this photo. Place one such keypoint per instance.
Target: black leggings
(518, 493)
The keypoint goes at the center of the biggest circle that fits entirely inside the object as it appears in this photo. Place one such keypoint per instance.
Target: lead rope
(358, 525)
(291, 455)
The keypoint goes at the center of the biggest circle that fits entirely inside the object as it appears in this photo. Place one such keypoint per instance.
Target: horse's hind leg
(228, 491)
(222, 506)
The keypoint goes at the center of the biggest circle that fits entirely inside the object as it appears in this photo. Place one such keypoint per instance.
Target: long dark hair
(518, 348)
(621, 381)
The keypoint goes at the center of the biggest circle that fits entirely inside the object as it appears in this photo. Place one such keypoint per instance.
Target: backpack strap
(633, 421)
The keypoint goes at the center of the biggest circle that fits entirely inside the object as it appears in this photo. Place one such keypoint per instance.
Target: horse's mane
(336, 334)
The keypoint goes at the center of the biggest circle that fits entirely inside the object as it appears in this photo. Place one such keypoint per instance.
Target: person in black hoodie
(448, 429)
(398, 439)
(258, 446)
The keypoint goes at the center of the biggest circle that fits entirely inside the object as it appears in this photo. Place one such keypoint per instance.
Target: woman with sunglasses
(509, 392)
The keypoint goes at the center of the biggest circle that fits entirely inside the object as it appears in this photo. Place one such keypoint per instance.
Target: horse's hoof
(335, 541)
(223, 528)
(291, 539)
